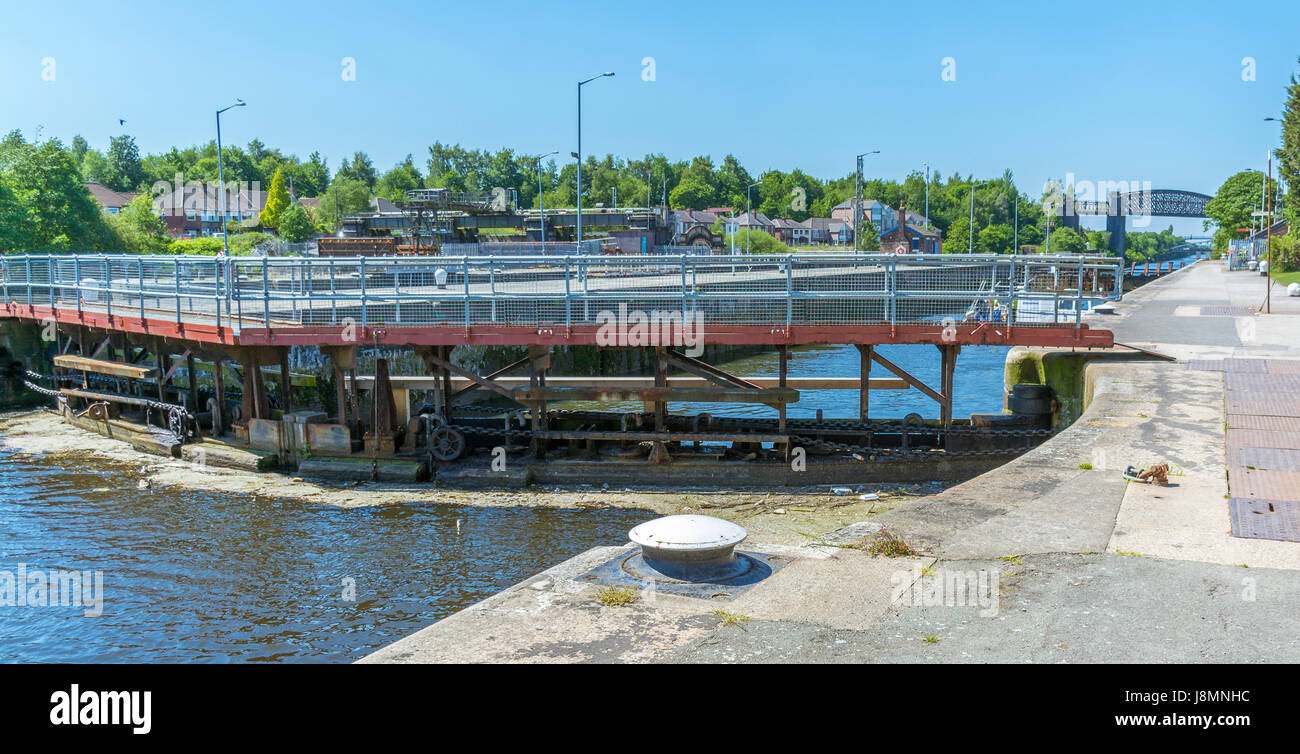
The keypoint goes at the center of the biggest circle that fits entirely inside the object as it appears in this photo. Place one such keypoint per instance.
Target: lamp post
(1268, 230)
(927, 195)
(749, 214)
(580, 83)
(541, 204)
(857, 197)
(971, 248)
(221, 177)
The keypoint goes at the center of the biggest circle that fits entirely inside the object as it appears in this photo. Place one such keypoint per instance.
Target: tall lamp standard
(971, 234)
(221, 176)
(857, 197)
(580, 83)
(1268, 230)
(927, 195)
(541, 204)
(749, 214)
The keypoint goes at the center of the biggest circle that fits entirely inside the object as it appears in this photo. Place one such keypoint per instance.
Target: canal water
(978, 384)
(194, 576)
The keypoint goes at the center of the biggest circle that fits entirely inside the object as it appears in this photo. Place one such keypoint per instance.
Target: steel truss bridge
(1118, 206)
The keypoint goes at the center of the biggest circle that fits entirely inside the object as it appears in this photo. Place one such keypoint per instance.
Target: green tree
(759, 242)
(1289, 155)
(125, 170)
(402, 178)
(691, 193)
(296, 224)
(1067, 241)
(140, 228)
(277, 199)
(995, 239)
(55, 213)
(1231, 206)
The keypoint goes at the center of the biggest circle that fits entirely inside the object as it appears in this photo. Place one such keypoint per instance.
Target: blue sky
(1105, 90)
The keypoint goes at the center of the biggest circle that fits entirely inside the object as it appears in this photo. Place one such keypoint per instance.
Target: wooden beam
(482, 382)
(498, 373)
(114, 368)
(864, 380)
(656, 394)
(914, 382)
(707, 371)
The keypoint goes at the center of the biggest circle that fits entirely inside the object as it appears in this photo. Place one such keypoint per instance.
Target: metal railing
(535, 291)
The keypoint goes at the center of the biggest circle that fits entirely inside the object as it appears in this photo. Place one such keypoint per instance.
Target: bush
(760, 242)
(243, 244)
(1286, 252)
(206, 246)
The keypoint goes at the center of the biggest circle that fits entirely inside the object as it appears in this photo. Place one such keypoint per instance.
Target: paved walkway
(1051, 558)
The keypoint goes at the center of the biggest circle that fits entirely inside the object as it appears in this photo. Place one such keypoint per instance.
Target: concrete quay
(1052, 557)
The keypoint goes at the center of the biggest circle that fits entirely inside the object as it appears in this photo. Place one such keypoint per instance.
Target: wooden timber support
(658, 452)
(865, 354)
(539, 361)
(948, 357)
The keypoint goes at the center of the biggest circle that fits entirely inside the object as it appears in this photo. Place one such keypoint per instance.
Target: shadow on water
(193, 575)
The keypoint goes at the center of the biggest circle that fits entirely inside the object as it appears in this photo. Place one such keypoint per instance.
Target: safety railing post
(363, 292)
(568, 293)
(789, 291)
(176, 273)
(139, 263)
(464, 271)
(266, 291)
(108, 289)
(76, 275)
(216, 287)
(334, 299)
(50, 280)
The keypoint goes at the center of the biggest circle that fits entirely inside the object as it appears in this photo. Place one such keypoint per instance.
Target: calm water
(215, 577)
(220, 577)
(977, 383)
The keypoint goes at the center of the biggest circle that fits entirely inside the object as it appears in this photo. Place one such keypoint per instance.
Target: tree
(691, 193)
(759, 241)
(346, 196)
(277, 199)
(1288, 156)
(361, 169)
(54, 212)
(995, 239)
(1066, 240)
(140, 228)
(125, 171)
(402, 178)
(1231, 206)
(296, 224)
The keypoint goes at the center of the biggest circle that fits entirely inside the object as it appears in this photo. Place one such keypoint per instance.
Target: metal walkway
(548, 300)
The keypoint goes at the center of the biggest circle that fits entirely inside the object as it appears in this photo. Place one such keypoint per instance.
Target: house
(751, 221)
(112, 201)
(877, 213)
(194, 210)
(789, 231)
(840, 232)
(818, 229)
(905, 238)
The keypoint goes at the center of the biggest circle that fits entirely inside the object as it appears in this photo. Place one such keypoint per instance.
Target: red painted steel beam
(965, 333)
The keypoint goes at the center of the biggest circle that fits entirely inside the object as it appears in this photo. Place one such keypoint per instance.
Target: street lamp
(971, 229)
(580, 83)
(749, 214)
(927, 195)
(857, 197)
(221, 177)
(541, 204)
(1268, 230)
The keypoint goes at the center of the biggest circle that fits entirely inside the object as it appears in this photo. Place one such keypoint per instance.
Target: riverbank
(1076, 564)
(785, 516)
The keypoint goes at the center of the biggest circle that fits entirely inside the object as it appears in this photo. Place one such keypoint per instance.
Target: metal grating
(1270, 423)
(1263, 459)
(1270, 385)
(1279, 366)
(1263, 408)
(1263, 438)
(564, 291)
(1264, 485)
(1265, 519)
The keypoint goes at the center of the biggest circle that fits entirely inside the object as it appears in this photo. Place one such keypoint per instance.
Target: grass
(889, 544)
(1085, 466)
(1286, 278)
(1130, 554)
(730, 619)
(931, 639)
(614, 596)
(1013, 559)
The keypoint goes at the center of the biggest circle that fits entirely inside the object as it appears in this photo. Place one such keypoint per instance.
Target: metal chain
(177, 415)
